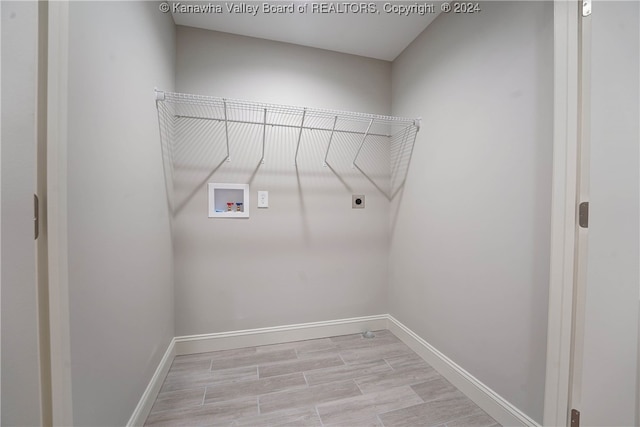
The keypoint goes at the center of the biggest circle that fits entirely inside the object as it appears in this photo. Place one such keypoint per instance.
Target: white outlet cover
(263, 199)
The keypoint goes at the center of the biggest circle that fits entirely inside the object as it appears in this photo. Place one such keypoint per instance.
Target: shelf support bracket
(396, 164)
(304, 113)
(335, 121)
(159, 94)
(353, 165)
(226, 129)
(264, 134)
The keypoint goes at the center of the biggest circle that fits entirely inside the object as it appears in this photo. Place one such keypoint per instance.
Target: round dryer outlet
(357, 201)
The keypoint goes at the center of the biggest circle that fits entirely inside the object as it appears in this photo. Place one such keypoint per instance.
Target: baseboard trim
(490, 401)
(192, 344)
(150, 394)
(278, 334)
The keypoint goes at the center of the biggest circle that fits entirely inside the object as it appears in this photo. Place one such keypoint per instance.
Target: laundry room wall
(120, 250)
(470, 242)
(309, 256)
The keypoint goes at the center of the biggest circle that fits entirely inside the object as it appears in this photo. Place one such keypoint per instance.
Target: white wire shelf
(188, 120)
(249, 112)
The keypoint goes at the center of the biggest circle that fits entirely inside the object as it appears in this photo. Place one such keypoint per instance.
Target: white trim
(57, 97)
(0, 217)
(563, 207)
(582, 195)
(638, 373)
(192, 344)
(277, 334)
(42, 243)
(487, 399)
(150, 394)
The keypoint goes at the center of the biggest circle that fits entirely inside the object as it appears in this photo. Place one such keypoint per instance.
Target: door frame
(0, 217)
(57, 101)
(568, 241)
(42, 269)
(582, 195)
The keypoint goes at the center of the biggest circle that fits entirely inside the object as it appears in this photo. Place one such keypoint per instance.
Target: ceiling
(378, 32)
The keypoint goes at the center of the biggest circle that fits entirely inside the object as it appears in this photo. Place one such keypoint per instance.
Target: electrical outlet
(357, 201)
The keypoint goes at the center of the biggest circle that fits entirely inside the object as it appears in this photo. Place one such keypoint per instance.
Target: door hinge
(575, 418)
(583, 214)
(586, 7)
(36, 216)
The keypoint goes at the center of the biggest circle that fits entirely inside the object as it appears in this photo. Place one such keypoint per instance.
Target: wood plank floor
(340, 381)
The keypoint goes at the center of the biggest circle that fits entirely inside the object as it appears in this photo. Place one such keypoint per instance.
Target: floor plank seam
(239, 394)
(318, 412)
(388, 364)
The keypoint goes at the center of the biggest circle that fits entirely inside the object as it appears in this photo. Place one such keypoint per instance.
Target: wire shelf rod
(165, 142)
(264, 134)
(304, 113)
(226, 130)
(364, 138)
(401, 150)
(248, 122)
(335, 121)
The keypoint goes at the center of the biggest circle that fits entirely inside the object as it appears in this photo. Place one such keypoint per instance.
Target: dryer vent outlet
(357, 201)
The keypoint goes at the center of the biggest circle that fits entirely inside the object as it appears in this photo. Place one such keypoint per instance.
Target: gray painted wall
(120, 251)
(611, 315)
(309, 257)
(469, 267)
(20, 365)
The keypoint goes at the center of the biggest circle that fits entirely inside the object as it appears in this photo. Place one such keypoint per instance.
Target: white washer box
(222, 194)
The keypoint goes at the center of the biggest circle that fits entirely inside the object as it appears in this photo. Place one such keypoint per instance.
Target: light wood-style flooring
(340, 381)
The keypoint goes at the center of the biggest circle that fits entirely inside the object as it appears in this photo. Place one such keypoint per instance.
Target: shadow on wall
(202, 136)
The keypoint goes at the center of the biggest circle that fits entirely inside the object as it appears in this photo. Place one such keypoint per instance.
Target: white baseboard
(277, 334)
(148, 398)
(246, 338)
(490, 401)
